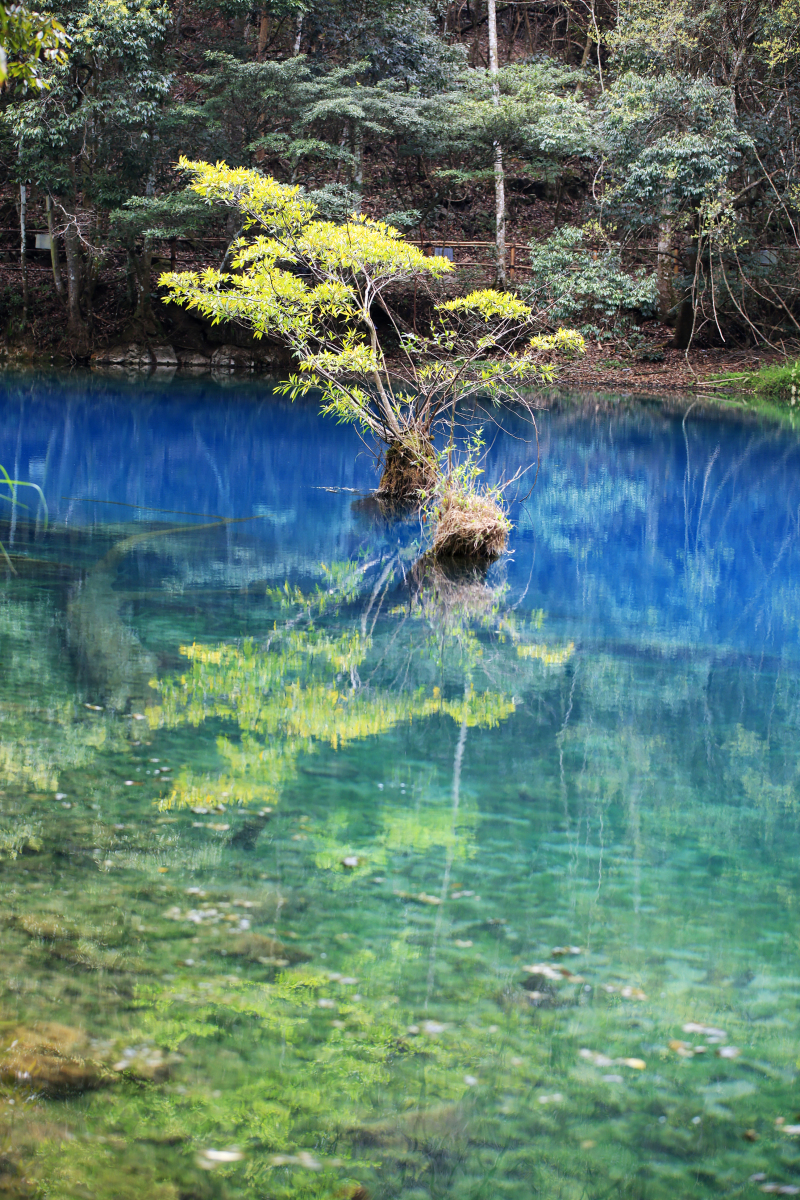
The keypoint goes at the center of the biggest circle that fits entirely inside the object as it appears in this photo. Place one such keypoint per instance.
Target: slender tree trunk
(475, 52)
(298, 37)
(684, 320)
(144, 282)
(23, 249)
(358, 164)
(665, 264)
(263, 33)
(528, 33)
(76, 328)
(51, 230)
(499, 174)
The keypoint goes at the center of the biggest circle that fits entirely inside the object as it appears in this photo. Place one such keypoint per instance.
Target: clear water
(286, 819)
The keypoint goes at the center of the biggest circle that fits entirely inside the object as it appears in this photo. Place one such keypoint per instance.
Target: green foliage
(772, 382)
(313, 284)
(68, 136)
(577, 276)
(29, 43)
(674, 141)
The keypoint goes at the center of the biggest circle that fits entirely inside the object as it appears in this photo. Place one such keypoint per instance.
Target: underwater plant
(12, 485)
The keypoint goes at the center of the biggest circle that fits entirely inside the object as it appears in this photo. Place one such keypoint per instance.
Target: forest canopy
(646, 151)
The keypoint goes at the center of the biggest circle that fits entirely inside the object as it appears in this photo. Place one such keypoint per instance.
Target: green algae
(458, 792)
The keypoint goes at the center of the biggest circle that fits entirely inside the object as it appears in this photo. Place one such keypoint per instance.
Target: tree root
(409, 472)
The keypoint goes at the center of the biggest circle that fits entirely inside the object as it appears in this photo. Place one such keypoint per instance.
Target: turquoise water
(326, 874)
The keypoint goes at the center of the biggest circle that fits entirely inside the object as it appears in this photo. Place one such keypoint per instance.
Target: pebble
(208, 1159)
(708, 1030)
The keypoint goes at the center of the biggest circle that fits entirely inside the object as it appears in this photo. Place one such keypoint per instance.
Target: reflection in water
(329, 872)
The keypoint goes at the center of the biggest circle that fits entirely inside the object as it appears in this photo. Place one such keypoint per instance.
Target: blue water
(421, 781)
(639, 524)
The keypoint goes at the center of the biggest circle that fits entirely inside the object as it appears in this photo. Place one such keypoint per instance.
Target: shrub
(572, 282)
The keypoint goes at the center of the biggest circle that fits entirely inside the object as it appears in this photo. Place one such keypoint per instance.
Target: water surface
(324, 871)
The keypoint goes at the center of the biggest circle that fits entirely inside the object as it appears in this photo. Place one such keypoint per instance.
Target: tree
(318, 286)
(674, 145)
(90, 138)
(497, 148)
(28, 42)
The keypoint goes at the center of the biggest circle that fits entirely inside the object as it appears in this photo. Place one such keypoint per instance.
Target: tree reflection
(447, 646)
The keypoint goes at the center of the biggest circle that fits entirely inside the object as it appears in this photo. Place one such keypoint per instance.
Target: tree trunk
(51, 230)
(665, 269)
(263, 33)
(499, 174)
(298, 37)
(76, 329)
(357, 177)
(475, 51)
(23, 249)
(144, 283)
(684, 321)
(684, 325)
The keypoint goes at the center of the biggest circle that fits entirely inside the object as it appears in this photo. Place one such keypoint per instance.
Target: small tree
(317, 286)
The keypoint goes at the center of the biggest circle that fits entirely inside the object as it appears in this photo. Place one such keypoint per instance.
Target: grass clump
(470, 525)
(776, 382)
(468, 520)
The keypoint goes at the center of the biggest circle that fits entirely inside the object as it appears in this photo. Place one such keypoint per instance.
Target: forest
(627, 168)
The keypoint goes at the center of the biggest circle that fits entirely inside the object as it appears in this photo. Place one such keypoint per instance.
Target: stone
(258, 948)
(164, 356)
(131, 356)
(46, 927)
(135, 357)
(194, 363)
(232, 358)
(50, 1058)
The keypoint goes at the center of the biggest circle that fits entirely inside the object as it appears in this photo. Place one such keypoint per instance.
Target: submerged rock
(45, 926)
(246, 835)
(443, 1127)
(51, 1058)
(258, 948)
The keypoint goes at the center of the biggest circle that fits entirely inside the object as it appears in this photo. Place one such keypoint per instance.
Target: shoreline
(602, 371)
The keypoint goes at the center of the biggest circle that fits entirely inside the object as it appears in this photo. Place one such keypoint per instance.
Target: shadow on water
(331, 872)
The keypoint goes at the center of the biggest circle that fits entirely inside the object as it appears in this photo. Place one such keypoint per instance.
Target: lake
(327, 872)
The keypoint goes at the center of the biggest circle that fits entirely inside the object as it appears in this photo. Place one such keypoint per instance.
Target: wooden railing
(483, 252)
